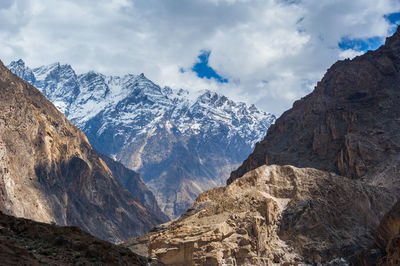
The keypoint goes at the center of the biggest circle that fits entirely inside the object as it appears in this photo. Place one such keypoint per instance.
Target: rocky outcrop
(50, 173)
(386, 247)
(25, 242)
(388, 236)
(273, 214)
(349, 124)
(181, 143)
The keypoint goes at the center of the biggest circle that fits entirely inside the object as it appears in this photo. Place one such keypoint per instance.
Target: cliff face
(386, 247)
(349, 124)
(273, 214)
(50, 173)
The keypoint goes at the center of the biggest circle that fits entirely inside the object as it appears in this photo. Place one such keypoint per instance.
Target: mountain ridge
(182, 144)
(348, 122)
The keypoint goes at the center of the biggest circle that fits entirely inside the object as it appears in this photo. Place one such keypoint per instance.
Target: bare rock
(386, 248)
(273, 214)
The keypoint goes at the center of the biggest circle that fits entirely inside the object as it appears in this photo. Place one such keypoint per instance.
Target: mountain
(25, 242)
(320, 188)
(349, 124)
(50, 173)
(181, 143)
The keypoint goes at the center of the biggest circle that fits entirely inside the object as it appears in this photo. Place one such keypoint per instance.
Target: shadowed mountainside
(349, 124)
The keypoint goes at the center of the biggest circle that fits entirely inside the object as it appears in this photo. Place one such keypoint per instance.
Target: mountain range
(181, 143)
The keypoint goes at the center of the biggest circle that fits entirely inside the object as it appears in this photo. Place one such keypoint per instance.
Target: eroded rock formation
(273, 214)
(386, 247)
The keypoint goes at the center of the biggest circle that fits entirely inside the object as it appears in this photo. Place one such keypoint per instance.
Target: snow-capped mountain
(181, 143)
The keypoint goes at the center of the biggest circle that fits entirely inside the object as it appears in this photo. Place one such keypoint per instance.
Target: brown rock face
(25, 242)
(273, 214)
(50, 173)
(388, 236)
(386, 248)
(349, 124)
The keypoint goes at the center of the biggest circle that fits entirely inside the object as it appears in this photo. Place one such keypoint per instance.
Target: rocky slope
(182, 144)
(50, 173)
(25, 242)
(349, 124)
(273, 214)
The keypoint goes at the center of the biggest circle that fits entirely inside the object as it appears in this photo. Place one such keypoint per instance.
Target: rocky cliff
(386, 248)
(388, 236)
(349, 124)
(181, 143)
(50, 173)
(273, 214)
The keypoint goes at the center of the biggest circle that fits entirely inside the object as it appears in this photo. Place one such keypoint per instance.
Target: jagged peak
(167, 90)
(182, 92)
(213, 97)
(91, 73)
(394, 40)
(19, 62)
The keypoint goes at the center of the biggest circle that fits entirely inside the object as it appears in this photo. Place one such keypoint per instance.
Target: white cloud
(349, 53)
(272, 51)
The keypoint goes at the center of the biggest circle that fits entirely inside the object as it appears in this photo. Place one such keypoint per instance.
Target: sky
(266, 52)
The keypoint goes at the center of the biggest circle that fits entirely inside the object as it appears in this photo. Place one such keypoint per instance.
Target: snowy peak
(19, 68)
(136, 105)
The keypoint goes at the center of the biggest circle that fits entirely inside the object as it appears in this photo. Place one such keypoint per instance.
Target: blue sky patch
(361, 44)
(373, 43)
(393, 18)
(203, 70)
